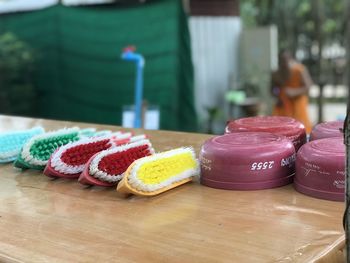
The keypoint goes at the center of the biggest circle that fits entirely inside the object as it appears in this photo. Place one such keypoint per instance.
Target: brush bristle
(155, 172)
(43, 149)
(37, 151)
(72, 157)
(81, 154)
(110, 165)
(12, 142)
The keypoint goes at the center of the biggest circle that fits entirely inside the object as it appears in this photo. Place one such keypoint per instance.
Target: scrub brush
(155, 174)
(107, 167)
(12, 142)
(37, 151)
(69, 160)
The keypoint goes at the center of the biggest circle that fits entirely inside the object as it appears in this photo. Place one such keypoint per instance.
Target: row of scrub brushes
(101, 158)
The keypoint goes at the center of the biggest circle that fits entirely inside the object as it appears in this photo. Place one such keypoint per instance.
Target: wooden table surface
(43, 220)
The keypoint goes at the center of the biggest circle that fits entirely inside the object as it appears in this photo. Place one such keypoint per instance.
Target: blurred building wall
(215, 29)
(215, 47)
(259, 57)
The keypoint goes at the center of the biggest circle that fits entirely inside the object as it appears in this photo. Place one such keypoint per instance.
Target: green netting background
(80, 75)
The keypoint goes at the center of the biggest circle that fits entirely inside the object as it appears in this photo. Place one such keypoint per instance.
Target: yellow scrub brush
(158, 173)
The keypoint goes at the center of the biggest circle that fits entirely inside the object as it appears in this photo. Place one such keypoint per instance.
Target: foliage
(303, 25)
(17, 93)
(298, 17)
(15, 56)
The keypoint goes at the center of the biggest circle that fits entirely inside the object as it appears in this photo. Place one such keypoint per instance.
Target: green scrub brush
(37, 151)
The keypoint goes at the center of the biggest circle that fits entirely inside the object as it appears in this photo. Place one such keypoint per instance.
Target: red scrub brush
(69, 160)
(107, 167)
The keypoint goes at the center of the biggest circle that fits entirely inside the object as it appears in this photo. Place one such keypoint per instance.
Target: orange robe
(294, 107)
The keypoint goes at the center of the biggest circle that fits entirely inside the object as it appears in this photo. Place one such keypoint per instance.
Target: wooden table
(62, 221)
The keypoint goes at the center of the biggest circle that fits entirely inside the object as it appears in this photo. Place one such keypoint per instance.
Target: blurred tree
(305, 27)
(17, 93)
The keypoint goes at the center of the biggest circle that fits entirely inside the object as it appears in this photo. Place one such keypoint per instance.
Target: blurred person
(290, 84)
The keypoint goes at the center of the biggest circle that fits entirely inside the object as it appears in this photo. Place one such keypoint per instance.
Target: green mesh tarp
(80, 75)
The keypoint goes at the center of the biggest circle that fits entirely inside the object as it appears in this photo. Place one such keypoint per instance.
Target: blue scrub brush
(12, 142)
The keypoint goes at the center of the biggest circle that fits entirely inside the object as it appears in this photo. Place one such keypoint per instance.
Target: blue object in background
(130, 55)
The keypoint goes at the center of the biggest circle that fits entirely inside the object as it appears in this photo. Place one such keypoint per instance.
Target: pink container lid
(286, 126)
(320, 169)
(327, 130)
(247, 161)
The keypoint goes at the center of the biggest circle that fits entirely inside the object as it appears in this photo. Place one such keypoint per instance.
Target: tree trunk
(347, 143)
(318, 18)
(347, 181)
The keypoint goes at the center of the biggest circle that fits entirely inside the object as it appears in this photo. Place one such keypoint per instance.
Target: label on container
(340, 184)
(262, 165)
(205, 163)
(313, 168)
(289, 161)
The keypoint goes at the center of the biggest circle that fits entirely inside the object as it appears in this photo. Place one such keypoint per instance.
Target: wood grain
(43, 220)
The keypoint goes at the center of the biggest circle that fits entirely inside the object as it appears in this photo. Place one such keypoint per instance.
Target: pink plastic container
(327, 130)
(289, 127)
(247, 161)
(320, 169)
